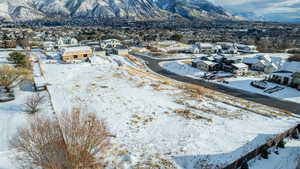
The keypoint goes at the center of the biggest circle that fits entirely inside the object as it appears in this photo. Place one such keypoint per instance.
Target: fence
(270, 143)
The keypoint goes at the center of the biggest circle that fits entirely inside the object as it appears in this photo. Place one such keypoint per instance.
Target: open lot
(145, 115)
(158, 124)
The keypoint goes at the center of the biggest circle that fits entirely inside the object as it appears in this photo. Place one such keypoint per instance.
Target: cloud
(266, 8)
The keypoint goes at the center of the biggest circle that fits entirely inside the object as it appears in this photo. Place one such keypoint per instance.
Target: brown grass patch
(188, 114)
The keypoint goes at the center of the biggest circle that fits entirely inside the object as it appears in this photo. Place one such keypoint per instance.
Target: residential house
(228, 62)
(239, 68)
(60, 42)
(281, 77)
(195, 49)
(76, 53)
(73, 42)
(8, 44)
(286, 78)
(110, 43)
(272, 67)
(48, 46)
(228, 47)
(66, 42)
(263, 63)
(206, 48)
(120, 51)
(246, 48)
(205, 64)
(98, 51)
(296, 80)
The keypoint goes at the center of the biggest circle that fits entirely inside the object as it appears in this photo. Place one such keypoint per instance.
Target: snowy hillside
(138, 9)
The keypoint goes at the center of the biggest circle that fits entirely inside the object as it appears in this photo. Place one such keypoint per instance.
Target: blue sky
(280, 10)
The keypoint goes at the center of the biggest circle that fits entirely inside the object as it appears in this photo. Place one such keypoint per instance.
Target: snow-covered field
(143, 118)
(287, 158)
(13, 116)
(144, 115)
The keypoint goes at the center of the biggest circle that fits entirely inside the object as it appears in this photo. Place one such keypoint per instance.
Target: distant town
(150, 95)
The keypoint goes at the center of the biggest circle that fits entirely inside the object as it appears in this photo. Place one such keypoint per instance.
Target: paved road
(153, 64)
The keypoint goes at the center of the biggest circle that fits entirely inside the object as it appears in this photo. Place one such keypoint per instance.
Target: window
(85, 55)
(75, 56)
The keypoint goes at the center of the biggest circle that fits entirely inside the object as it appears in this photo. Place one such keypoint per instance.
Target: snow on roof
(205, 45)
(239, 65)
(258, 58)
(208, 62)
(273, 65)
(291, 66)
(267, 58)
(109, 40)
(75, 49)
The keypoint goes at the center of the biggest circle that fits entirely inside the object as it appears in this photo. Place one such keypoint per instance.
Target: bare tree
(10, 76)
(34, 102)
(73, 140)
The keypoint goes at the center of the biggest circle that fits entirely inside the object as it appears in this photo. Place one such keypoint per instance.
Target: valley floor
(158, 123)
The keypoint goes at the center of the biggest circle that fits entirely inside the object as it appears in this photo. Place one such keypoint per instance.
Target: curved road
(153, 64)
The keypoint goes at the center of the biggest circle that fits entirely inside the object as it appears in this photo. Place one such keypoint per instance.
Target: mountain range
(263, 10)
(26, 10)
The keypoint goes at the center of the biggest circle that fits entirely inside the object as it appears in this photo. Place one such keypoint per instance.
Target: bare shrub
(11, 77)
(73, 140)
(294, 57)
(34, 102)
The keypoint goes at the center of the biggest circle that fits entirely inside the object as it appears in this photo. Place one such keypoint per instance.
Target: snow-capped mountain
(263, 10)
(192, 8)
(137, 9)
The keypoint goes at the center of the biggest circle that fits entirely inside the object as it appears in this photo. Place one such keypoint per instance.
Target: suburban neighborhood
(169, 101)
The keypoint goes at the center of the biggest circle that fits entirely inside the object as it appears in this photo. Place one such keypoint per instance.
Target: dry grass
(198, 93)
(155, 163)
(188, 114)
(141, 120)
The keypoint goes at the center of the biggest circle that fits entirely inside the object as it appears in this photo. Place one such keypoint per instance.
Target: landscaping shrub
(34, 102)
(265, 154)
(74, 140)
(20, 60)
(294, 57)
(295, 134)
(245, 166)
(281, 144)
(11, 77)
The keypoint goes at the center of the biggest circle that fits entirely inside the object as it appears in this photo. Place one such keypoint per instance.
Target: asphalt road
(153, 64)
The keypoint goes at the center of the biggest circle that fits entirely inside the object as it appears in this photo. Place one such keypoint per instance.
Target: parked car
(226, 82)
(259, 84)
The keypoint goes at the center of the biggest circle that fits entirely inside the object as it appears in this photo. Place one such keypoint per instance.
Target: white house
(74, 41)
(110, 43)
(205, 47)
(205, 65)
(239, 68)
(195, 49)
(66, 42)
(48, 45)
(246, 48)
(271, 67)
(263, 63)
(60, 42)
